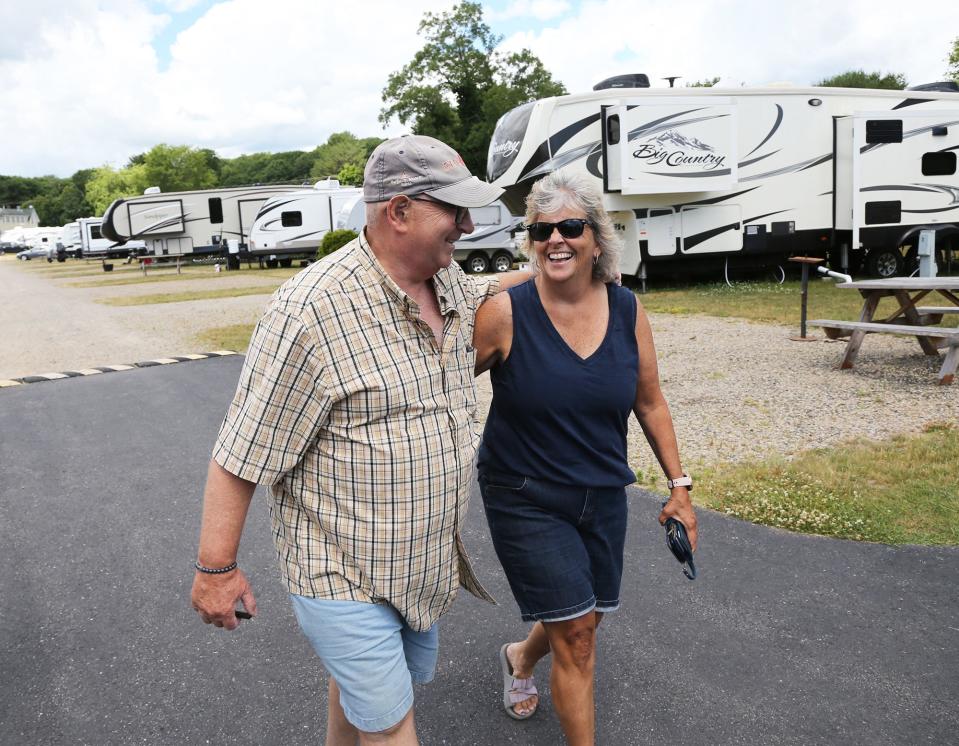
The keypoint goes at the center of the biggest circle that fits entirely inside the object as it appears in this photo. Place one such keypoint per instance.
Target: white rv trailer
(91, 243)
(193, 223)
(491, 245)
(70, 239)
(295, 223)
(702, 175)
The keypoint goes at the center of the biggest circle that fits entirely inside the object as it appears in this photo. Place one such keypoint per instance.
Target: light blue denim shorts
(372, 654)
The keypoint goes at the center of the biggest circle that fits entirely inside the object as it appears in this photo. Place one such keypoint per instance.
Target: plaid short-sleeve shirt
(366, 431)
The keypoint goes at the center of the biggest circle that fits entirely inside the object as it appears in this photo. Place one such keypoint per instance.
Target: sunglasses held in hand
(678, 543)
(569, 228)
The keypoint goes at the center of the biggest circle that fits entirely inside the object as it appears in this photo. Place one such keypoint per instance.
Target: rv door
(248, 209)
(659, 231)
(671, 145)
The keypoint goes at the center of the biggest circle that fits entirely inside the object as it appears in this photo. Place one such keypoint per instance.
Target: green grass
(167, 274)
(863, 490)
(769, 303)
(145, 300)
(234, 337)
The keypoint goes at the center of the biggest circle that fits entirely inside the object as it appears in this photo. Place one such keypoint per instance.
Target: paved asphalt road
(782, 640)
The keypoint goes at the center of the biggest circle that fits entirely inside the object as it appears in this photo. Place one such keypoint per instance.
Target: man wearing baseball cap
(356, 405)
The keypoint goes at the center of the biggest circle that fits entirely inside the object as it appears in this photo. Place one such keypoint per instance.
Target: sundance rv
(293, 225)
(491, 245)
(705, 175)
(198, 223)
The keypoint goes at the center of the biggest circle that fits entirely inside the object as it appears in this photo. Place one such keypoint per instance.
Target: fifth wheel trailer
(293, 224)
(193, 223)
(698, 177)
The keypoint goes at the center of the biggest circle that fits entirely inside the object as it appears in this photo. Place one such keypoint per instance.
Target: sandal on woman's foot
(515, 690)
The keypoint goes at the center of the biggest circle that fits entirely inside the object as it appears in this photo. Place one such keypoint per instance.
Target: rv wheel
(502, 262)
(884, 262)
(477, 263)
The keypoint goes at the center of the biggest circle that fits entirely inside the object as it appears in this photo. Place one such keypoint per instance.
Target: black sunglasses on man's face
(461, 212)
(569, 228)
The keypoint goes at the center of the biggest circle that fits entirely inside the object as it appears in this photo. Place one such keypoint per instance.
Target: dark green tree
(861, 79)
(340, 150)
(705, 83)
(107, 184)
(244, 169)
(176, 168)
(458, 85)
(18, 190)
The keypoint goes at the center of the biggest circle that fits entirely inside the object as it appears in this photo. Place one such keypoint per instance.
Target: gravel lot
(737, 389)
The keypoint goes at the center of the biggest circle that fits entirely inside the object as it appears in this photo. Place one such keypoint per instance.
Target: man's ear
(397, 213)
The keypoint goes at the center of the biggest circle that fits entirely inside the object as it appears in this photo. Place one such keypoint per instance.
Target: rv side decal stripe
(694, 240)
(824, 159)
(648, 128)
(743, 164)
(764, 215)
(697, 175)
(554, 164)
(549, 146)
(715, 200)
(941, 209)
(899, 188)
(950, 191)
(491, 232)
(910, 102)
(779, 120)
(278, 205)
(789, 169)
(567, 133)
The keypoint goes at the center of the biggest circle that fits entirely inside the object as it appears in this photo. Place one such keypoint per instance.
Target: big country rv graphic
(754, 175)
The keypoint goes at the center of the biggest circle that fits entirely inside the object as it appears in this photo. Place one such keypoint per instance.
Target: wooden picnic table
(909, 318)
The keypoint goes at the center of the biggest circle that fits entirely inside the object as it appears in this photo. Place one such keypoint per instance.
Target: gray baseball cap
(417, 164)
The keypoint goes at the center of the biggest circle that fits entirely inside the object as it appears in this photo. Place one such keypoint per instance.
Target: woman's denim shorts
(561, 546)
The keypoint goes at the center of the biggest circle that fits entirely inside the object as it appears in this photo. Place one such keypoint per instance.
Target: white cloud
(749, 41)
(82, 85)
(542, 10)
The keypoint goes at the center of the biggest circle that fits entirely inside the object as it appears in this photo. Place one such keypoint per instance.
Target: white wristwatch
(684, 481)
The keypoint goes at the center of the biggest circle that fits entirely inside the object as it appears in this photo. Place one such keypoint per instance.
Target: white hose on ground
(834, 275)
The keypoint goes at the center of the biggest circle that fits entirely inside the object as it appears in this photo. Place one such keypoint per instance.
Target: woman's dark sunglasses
(678, 543)
(569, 228)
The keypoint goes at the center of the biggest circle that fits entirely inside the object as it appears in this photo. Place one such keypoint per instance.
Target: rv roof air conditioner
(327, 183)
(152, 190)
(633, 80)
(943, 86)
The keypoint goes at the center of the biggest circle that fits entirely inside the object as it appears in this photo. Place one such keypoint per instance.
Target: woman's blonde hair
(567, 189)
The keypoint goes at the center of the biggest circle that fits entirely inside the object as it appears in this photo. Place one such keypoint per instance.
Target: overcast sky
(85, 83)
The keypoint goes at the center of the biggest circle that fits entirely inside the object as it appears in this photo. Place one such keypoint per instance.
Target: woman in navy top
(571, 356)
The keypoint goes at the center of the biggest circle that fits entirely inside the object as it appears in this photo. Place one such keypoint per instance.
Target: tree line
(455, 88)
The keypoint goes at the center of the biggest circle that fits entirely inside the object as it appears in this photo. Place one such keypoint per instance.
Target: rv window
(291, 219)
(883, 212)
(216, 210)
(95, 232)
(612, 130)
(938, 164)
(883, 130)
(485, 215)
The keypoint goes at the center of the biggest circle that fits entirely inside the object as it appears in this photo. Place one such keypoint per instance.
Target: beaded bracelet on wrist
(214, 570)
